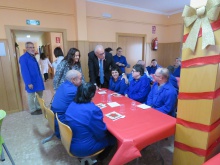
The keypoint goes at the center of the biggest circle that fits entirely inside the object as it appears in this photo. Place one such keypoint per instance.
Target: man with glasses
(32, 78)
(100, 64)
(163, 95)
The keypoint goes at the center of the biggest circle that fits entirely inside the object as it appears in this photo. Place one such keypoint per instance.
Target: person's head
(30, 48)
(141, 62)
(171, 69)
(161, 75)
(42, 56)
(177, 62)
(85, 93)
(119, 51)
(116, 72)
(109, 50)
(74, 77)
(73, 57)
(154, 62)
(58, 52)
(137, 71)
(99, 52)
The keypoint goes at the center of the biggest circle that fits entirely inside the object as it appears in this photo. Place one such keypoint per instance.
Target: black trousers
(45, 76)
(104, 85)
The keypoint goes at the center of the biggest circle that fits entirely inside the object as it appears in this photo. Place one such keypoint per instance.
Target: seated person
(109, 50)
(139, 87)
(86, 121)
(65, 95)
(173, 79)
(116, 82)
(153, 67)
(163, 95)
(177, 67)
(145, 71)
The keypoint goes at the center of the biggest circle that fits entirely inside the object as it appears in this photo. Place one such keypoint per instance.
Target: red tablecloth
(137, 130)
(213, 161)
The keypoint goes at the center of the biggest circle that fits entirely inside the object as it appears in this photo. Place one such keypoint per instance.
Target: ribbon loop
(200, 17)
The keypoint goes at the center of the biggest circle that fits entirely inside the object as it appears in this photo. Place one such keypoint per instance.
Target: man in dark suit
(100, 63)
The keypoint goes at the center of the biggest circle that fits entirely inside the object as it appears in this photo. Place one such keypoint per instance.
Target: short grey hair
(98, 47)
(27, 43)
(164, 72)
(72, 74)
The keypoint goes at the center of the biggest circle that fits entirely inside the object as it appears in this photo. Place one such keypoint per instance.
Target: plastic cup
(133, 105)
(109, 98)
(122, 109)
(103, 99)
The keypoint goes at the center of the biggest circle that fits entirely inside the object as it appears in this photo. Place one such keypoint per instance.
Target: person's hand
(124, 76)
(30, 86)
(126, 95)
(117, 63)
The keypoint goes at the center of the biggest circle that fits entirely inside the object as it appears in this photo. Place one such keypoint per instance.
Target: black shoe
(40, 111)
(36, 112)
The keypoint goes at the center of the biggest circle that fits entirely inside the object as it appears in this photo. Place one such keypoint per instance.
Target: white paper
(102, 92)
(114, 115)
(143, 106)
(113, 104)
(2, 49)
(101, 106)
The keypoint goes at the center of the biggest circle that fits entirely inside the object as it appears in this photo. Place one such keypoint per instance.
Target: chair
(51, 119)
(42, 105)
(2, 116)
(66, 138)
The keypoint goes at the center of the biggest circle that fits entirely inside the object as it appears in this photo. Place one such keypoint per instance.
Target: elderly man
(177, 67)
(32, 78)
(65, 94)
(153, 67)
(100, 63)
(163, 95)
(139, 87)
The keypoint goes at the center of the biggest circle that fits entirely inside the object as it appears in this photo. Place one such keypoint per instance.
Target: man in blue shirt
(65, 94)
(163, 95)
(177, 67)
(153, 67)
(32, 78)
(120, 60)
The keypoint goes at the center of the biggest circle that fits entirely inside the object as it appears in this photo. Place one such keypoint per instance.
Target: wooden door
(133, 49)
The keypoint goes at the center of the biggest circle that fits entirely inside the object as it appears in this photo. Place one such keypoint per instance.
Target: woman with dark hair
(109, 50)
(86, 121)
(70, 61)
(116, 82)
(44, 62)
(139, 87)
(58, 53)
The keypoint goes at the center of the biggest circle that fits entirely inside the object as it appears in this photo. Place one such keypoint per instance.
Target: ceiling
(165, 7)
(21, 35)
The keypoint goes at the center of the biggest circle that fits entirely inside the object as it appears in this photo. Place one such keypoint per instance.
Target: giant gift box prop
(197, 135)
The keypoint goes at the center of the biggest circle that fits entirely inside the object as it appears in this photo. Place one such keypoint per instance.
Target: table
(137, 130)
(213, 161)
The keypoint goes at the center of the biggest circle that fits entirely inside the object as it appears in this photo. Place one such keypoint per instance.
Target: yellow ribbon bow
(201, 16)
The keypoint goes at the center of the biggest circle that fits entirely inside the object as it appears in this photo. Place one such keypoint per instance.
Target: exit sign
(32, 22)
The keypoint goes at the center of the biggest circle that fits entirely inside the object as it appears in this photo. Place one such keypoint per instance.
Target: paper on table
(100, 105)
(113, 104)
(102, 92)
(143, 106)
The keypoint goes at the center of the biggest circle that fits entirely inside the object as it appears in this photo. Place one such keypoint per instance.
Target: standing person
(177, 66)
(59, 55)
(70, 61)
(109, 50)
(64, 95)
(163, 95)
(120, 60)
(44, 62)
(153, 67)
(100, 64)
(32, 78)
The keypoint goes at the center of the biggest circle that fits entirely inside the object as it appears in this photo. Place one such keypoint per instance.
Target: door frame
(144, 36)
(10, 39)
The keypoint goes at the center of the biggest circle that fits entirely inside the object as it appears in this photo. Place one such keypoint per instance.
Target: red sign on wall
(153, 29)
(57, 39)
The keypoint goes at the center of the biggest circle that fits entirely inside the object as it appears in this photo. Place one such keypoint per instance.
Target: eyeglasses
(134, 71)
(31, 47)
(101, 54)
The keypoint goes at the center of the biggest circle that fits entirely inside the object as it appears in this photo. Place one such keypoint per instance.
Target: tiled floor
(23, 133)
